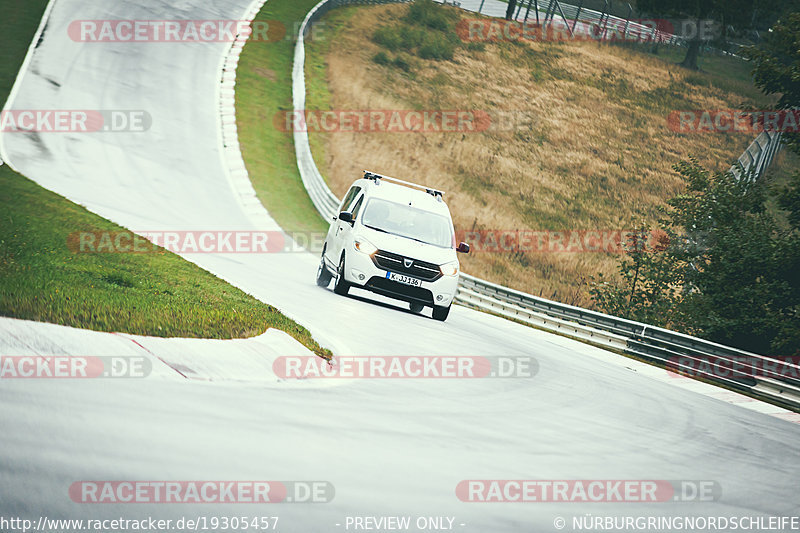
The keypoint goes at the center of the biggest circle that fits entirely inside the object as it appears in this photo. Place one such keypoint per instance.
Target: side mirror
(463, 248)
(346, 216)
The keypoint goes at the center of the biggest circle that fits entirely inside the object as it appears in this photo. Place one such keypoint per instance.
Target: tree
(728, 273)
(737, 289)
(647, 288)
(731, 270)
(767, 12)
(776, 68)
(697, 13)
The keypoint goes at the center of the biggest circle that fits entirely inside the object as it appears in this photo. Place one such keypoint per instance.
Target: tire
(341, 286)
(416, 308)
(323, 274)
(440, 313)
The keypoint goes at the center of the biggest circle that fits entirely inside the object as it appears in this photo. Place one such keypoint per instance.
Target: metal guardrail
(677, 351)
(758, 155)
(321, 196)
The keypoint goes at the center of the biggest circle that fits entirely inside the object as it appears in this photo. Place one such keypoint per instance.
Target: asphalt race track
(389, 447)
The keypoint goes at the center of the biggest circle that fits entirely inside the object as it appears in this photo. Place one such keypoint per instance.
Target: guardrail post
(548, 12)
(577, 15)
(752, 161)
(760, 156)
(776, 145)
(627, 22)
(601, 21)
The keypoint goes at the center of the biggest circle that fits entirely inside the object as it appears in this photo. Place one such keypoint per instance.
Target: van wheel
(416, 308)
(341, 286)
(323, 274)
(440, 313)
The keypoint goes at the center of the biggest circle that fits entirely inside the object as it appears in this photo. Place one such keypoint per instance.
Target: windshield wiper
(379, 229)
(400, 235)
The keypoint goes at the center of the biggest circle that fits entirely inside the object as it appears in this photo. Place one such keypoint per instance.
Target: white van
(393, 238)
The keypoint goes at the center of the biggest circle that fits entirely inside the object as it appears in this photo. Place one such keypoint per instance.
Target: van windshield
(407, 221)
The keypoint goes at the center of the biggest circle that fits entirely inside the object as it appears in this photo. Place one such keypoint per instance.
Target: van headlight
(449, 269)
(364, 246)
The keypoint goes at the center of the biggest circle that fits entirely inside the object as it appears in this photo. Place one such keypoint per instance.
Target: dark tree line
(724, 14)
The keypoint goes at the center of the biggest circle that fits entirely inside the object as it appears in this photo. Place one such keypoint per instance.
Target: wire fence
(604, 19)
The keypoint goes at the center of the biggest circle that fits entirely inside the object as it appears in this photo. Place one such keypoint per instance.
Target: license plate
(408, 280)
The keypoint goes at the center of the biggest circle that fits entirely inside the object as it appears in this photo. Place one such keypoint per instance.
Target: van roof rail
(436, 193)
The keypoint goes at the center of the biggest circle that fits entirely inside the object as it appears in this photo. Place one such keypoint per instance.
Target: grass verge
(263, 99)
(157, 293)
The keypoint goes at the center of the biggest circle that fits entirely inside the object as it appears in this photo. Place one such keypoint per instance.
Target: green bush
(402, 63)
(388, 37)
(396, 38)
(381, 58)
(412, 37)
(436, 47)
(430, 14)
(427, 31)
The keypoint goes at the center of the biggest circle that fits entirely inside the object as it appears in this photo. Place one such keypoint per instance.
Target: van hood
(408, 247)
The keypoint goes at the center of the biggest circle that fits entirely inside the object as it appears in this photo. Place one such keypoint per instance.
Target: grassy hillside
(594, 154)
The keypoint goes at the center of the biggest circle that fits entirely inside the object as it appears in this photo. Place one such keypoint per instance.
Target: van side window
(357, 206)
(354, 190)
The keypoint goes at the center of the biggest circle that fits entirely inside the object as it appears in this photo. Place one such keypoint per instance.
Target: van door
(335, 233)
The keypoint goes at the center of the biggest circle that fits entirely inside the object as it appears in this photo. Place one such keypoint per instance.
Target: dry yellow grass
(598, 154)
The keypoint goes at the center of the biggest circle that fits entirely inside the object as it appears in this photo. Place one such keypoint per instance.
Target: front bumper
(362, 272)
